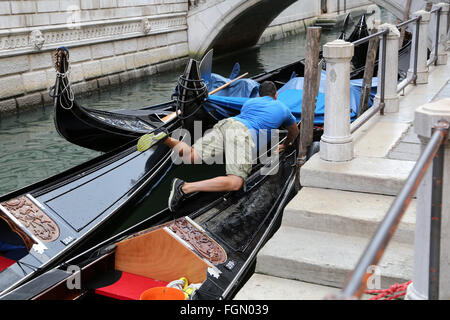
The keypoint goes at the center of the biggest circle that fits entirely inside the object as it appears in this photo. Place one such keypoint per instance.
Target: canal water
(31, 149)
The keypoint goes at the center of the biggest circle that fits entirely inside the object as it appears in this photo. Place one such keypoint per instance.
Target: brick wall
(31, 13)
(107, 40)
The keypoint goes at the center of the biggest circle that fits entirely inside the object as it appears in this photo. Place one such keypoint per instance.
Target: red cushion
(5, 263)
(129, 287)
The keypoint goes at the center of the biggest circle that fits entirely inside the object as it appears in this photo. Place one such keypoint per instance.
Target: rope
(66, 101)
(394, 292)
(201, 94)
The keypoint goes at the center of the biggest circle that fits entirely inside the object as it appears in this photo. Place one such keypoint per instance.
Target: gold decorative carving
(33, 218)
(201, 242)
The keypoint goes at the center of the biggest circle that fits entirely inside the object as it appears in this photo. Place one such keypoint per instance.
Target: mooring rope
(394, 292)
(198, 97)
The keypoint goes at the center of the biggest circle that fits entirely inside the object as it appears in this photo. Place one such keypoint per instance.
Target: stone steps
(327, 226)
(346, 213)
(325, 258)
(362, 174)
(264, 287)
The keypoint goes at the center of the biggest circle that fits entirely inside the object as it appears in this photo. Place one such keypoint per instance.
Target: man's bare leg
(217, 184)
(183, 149)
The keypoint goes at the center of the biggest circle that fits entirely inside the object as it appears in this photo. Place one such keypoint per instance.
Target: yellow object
(186, 282)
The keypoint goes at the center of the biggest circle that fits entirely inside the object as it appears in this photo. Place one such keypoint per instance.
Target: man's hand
(281, 148)
(292, 134)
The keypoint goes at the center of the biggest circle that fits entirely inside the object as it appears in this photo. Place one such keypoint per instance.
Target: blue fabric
(291, 95)
(240, 88)
(12, 251)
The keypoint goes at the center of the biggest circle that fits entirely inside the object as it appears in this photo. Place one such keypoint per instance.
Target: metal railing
(356, 283)
(366, 116)
(413, 79)
(434, 59)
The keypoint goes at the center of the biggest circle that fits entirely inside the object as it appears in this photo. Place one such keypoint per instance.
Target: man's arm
(291, 135)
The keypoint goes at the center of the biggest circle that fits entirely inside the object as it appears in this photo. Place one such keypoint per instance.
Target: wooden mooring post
(368, 74)
(310, 91)
(405, 17)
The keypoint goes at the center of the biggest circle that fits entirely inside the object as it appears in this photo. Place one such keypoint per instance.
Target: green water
(32, 150)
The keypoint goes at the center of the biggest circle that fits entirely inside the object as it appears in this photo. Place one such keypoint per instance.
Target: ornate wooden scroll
(33, 218)
(204, 245)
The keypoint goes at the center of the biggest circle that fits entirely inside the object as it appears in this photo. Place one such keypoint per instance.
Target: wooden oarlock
(173, 114)
(368, 74)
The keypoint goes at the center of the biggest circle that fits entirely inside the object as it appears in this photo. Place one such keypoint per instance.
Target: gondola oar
(149, 139)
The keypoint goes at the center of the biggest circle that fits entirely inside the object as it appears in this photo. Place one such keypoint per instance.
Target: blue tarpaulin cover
(229, 101)
(239, 88)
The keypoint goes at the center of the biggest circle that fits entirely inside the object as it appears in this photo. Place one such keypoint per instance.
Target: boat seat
(129, 287)
(5, 263)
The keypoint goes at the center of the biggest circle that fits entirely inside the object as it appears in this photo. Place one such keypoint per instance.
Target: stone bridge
(233, 24)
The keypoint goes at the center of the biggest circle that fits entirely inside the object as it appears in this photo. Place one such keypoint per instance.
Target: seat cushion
(129, 287)
(5, 263)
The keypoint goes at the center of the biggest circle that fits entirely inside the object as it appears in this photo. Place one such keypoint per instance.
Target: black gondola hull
(224, 212)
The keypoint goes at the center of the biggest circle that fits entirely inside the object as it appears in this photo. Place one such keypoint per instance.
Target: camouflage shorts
(232, 138)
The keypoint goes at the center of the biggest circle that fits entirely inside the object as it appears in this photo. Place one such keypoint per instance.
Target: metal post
(436, 45)
(418, 66)
(435, 223)
(383, 73)
(431, 278)
(440, 53)
(338, 6)
(416, 50)
(323, 6)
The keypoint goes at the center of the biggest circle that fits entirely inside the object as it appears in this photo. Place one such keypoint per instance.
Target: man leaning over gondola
(233, 137)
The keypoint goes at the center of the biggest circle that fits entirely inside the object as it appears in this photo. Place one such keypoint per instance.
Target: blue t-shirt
(265, 113)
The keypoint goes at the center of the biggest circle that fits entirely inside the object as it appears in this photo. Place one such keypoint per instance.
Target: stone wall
(296, 18)
(110, 41)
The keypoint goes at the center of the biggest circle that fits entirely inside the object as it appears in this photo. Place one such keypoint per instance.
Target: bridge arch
(228, 25)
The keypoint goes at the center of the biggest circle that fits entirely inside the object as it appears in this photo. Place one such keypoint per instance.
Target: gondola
(212, 248)
(51, 220)
(103, 130)
(46, 222)
(359, 58)
(211, 240)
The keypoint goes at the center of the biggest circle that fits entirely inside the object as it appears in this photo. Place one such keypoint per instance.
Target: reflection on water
(31, 149)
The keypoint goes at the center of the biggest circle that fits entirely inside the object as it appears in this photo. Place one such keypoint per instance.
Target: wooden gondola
(213, 247)
(104, 130)
(359, 58)
(46, 222)
(222, 231)
(52, 220)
